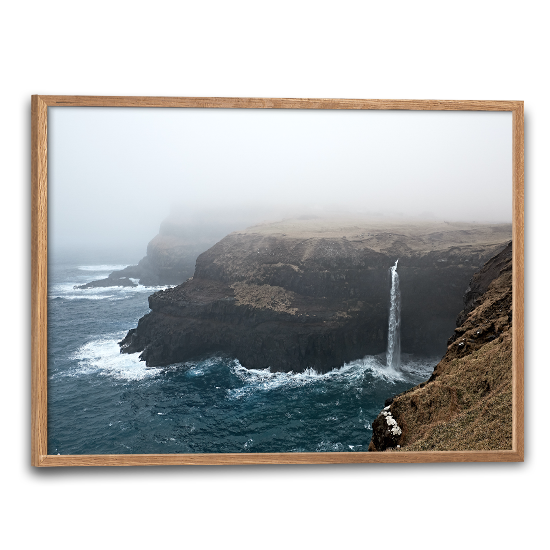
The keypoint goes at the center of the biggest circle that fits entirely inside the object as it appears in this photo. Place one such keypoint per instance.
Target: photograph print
(278, 281)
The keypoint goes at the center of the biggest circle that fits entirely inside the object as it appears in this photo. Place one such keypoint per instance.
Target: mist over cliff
(115, 174)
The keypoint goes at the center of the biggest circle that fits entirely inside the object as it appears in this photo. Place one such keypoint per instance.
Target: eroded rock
(386, 432)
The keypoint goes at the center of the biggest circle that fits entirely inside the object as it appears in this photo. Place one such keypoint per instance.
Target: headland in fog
(312, 292)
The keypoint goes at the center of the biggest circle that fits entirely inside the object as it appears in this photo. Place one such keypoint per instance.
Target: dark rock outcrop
(386, 433)
(480, 281)
(467, 402)
(314, 293)
(112, 280)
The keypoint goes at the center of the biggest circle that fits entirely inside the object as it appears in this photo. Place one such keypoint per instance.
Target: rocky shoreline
(313, 293)
(467, 402)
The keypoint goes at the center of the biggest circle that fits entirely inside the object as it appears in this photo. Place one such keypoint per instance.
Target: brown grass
(467, 407)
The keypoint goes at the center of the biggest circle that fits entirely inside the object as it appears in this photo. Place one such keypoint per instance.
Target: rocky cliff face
(314, 293)
(467, 402)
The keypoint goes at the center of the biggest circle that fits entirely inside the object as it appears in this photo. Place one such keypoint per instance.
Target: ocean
(104, 402)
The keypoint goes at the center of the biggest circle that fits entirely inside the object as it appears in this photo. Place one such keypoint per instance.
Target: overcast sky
(115, 173)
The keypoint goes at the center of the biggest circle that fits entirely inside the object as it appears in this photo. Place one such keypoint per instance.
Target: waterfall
(393, 355)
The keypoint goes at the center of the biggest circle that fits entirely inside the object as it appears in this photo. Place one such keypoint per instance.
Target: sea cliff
(313, 293)
(467, 402)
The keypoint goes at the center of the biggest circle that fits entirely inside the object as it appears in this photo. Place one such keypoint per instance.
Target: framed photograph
(271, 281)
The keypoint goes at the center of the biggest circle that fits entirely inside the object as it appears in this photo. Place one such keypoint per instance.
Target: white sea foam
(141, 288)
(327, 446)
(89, 297)
(419, 366)
(67, 291)
(350, 375)
(102, 267)
(379, 370)
(102, 356)
(265, 380)
(199, 368)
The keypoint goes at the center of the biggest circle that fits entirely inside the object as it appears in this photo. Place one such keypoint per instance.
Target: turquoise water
(100, 401)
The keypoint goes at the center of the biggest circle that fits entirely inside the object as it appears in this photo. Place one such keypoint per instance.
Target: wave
(141, 288)
(77, 297)
(264, 380)
(102, 356)
(67, 291)
(102, 267)
(327, 446)
(350, 374)
(201, 368)
(412, 369)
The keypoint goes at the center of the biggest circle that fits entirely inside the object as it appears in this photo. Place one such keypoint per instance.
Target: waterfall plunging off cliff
(393, 355)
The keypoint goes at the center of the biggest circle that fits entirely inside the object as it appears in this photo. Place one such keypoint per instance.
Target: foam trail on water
(67, 291)
(102, 267)
(393, 355)
(350, 375)
(102, 356)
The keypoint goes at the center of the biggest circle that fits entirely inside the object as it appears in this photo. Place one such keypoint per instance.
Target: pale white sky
(116, 173)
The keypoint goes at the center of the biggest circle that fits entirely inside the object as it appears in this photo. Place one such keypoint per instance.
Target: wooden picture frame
(40, 456)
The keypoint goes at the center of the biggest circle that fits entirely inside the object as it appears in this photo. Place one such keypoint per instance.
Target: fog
(114, 174)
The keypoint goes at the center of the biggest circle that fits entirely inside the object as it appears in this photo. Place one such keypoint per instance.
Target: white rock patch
(391, 422)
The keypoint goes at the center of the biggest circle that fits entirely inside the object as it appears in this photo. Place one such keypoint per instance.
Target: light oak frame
(39, 361)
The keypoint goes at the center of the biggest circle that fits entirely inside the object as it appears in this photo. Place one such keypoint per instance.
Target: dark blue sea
(103, 402)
